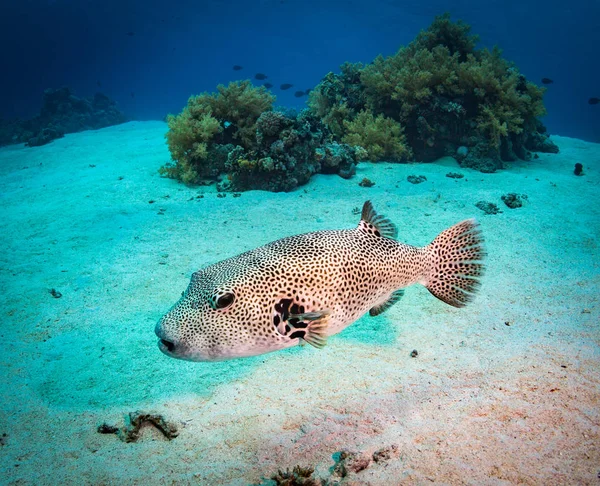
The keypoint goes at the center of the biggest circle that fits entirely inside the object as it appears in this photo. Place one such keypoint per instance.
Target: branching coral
(228, 116)
(381, 137)
(338, 97)
(444, 92)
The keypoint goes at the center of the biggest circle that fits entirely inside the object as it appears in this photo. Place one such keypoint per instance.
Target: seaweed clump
(236, 132)
(299, 476)
(433, 96)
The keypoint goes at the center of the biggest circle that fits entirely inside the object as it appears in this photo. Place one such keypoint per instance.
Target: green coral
(187, 139)
(443, 91)
(337, 98)
(443, 32)
(380, 136)
(228, 116)
(241, 104)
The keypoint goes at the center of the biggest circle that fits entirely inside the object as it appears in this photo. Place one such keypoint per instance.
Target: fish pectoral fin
(310, 316)
(315, 333)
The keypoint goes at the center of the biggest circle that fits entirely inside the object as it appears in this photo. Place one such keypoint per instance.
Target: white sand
(484, 403)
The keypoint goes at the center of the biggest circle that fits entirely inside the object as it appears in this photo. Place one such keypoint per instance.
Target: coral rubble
(134, 424)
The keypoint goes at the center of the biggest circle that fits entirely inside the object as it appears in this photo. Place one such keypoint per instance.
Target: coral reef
(446, 97)
(236, 132)
(62, 112)
(437, 96)
(380, 136)
(202, 136)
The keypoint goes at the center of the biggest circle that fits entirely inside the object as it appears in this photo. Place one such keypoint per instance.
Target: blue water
(184, 47)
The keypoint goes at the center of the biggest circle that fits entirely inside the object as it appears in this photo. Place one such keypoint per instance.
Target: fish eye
(224, 300)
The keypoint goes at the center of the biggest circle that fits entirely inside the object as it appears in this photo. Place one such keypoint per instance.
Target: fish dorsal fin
(384, 226)
(395, 297)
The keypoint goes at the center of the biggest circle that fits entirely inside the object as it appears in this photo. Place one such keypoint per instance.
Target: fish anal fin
(383, 225)
(395, 297)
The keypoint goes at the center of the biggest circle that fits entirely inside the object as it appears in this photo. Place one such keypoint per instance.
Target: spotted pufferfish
(310, 286)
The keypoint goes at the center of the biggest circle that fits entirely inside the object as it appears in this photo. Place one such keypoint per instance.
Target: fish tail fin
(455, 259)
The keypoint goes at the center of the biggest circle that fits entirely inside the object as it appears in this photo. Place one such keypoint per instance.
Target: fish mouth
(172, 351)
(165, 346)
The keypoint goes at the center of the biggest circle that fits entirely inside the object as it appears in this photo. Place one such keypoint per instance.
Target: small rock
(385, 453)
(107, 429)
(488, 207)
(513, 200)
(414, 179)
(55, 293)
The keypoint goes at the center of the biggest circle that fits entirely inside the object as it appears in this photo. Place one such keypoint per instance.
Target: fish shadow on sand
(380, 330)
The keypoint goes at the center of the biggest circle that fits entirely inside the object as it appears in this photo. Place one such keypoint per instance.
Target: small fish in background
(299, 94)
(99, 84)
(130, 34)
(547, 81)
(237, 68)
(307, 92)
(594, 101)
(132, 94)
(285, 86)
(260, 76)
(268, 85)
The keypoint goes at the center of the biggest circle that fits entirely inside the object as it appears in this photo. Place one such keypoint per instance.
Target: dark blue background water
(184, 47)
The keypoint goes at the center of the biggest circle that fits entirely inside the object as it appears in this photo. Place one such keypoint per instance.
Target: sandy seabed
(504, 391)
